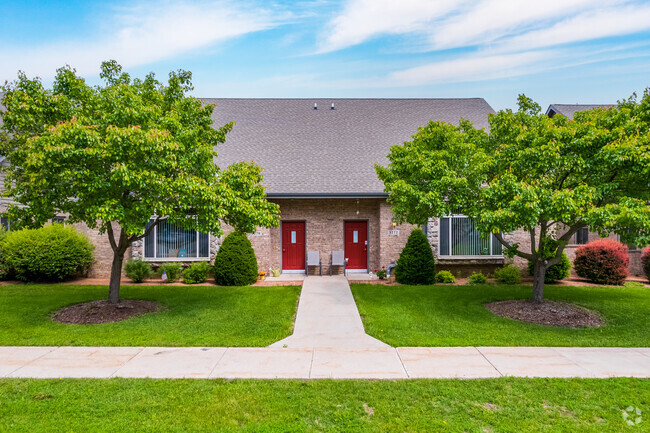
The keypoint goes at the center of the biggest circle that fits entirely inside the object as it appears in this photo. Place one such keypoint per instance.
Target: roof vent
(315, 106)
(332, 107)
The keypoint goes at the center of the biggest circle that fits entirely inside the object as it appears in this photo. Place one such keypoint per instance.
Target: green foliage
(120, 153)
(138, 270)
(530, 172)
(415, 264)
(445, 277)
(56, 252)
(235, 264)
(555, 273)
(173, 271)
(196, 273)
(477, 278)
(509, 274)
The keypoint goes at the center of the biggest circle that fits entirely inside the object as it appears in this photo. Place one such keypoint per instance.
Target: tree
(547, 176)
(112, 156)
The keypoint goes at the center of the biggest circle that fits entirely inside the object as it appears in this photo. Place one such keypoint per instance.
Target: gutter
(315, 195)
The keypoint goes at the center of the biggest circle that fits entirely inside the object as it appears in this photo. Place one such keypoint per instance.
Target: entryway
(293, 246)
(356, 245)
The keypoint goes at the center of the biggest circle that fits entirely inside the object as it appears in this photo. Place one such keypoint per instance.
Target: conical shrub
(415, 264)
(235, 264)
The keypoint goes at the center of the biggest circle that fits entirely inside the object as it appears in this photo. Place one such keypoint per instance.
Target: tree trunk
(538, 281)
(116, 277)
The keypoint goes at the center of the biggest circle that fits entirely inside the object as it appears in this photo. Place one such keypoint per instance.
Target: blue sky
(568, 51)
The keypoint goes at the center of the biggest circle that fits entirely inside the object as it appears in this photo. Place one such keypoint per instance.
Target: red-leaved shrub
(645, 262)
(603, 261)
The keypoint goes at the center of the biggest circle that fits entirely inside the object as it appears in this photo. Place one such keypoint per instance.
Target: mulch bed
(95, 312)
(551, 313)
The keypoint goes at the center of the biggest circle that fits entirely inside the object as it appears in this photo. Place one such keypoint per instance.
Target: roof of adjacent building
(324, 151)
(568, 110)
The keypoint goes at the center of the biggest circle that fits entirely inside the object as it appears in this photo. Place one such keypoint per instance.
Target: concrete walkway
(329, 341)
(327, 317)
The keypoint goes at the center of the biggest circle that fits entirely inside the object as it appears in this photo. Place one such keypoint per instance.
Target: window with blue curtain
(459, 237)
(171, 241)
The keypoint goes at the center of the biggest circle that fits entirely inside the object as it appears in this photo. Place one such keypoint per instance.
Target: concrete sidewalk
(320, 363)
(328, 317)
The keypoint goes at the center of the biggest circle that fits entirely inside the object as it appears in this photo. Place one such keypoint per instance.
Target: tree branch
(146, 232)
(111, 236)
(508, 246)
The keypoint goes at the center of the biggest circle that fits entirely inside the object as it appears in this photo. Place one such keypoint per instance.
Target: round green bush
(235, 264)
(172, 270)
(138, 270)
(56, 252)
(445, 277)
(477, 278)
(415, 264)
(509, 274)
(197, 273)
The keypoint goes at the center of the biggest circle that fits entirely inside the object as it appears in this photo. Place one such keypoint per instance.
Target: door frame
(291, 271)
(367, 239)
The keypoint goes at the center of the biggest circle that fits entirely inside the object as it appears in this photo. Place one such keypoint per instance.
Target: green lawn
(193, 316)
(450, 315)
(494, 405)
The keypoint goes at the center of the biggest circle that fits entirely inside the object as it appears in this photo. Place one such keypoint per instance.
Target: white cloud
(362, 20)
(584, 27)
(143, 33)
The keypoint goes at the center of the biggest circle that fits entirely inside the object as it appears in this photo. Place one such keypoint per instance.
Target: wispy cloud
(144, 33)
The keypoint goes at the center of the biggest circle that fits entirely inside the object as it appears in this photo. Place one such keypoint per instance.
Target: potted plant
(381, 273)
(262, 275)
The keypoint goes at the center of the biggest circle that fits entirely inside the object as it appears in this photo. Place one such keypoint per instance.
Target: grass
(193, 316)
(444, 315)
(491, 405)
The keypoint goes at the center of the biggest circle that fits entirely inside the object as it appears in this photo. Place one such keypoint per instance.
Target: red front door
(356, 244)
(293, 246)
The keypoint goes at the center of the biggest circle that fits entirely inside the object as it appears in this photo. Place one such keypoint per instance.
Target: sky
(566, 51)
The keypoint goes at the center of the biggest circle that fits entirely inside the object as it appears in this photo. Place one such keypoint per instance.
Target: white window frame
(464, 257)
(154, 232)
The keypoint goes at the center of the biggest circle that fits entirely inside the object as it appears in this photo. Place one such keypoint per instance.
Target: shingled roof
(569, 109)
(330, 152)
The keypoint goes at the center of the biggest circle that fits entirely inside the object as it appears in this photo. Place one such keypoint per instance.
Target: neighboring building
(568, 110)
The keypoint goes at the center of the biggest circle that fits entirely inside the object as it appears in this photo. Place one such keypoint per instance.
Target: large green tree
(112, 156)
(546, 176)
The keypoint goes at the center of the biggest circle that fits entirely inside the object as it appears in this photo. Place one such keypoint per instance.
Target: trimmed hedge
(509, 274)
(56, 252)
(172, 270)
(645, 262)
(477, 278)
(197, 273)
(138, 270)
(603, 261)
(235, 264)
(445, 277)
(415, 264)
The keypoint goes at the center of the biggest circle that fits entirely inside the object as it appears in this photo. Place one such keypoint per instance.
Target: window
(458, 237)
(58, 219)
(582, 236)
(168, 241)
(4, 221)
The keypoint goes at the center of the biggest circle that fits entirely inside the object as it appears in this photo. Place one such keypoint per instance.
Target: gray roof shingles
(568, 110)
(324, 151)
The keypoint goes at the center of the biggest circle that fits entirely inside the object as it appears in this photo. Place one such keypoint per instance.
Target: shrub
(415, 264)
(603, 261)
(235, 264)
(172, 270)
(645, 262)
(558, 271)
(445, 277)
(138, 270)
(508, 275)
(56, 252)
(197, 273)
(477, 278)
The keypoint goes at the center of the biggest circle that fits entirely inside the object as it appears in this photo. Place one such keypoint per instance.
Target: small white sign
(257, 233)
(393, 232)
